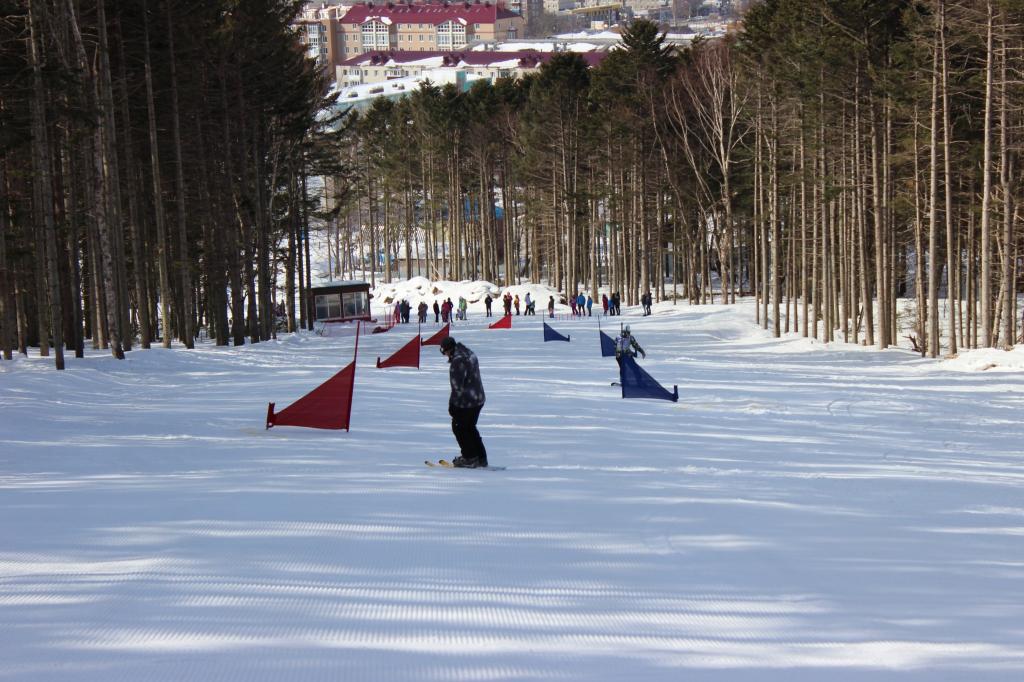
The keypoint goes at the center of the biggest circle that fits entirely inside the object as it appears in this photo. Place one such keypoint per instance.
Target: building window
(357, 304)
(451, 35)
(375, 36)
(328, 307)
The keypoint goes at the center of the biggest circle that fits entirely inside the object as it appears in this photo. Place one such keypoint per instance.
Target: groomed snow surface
(804, 512)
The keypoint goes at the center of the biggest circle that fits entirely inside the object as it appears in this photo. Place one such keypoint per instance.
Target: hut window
(328, 306)
(357, 304)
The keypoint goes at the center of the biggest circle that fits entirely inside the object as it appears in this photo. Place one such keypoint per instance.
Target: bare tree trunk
(188, 304)
(305, 302)
(8, 320)
(134, 220)
(42, 185)
(986, 191)
(773, 213)
(877, 209)
(933, 207)
(867, 295)
(951, 259)
(105, 99)
(104, 265)
(759, 199)
(1008, 279)
(162, 243)
(803, 227)
(919, 292)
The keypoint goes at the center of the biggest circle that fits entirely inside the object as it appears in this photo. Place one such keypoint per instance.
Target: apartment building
(527, 8)
(424, 27)
(317, 25)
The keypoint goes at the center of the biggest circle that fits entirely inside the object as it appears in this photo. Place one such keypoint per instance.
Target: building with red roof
(424, 27)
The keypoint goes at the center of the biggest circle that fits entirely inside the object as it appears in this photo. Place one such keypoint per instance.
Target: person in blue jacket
(590, 306)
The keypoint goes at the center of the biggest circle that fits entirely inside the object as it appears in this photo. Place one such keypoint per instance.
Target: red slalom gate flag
(406, 356)
(436, 339)
(328, 406)
(503, 323)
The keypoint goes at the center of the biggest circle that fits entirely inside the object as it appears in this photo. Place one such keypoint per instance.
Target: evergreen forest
(166, 164)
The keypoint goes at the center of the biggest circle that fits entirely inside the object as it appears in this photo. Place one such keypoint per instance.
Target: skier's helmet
(625, 330)
(447, 345)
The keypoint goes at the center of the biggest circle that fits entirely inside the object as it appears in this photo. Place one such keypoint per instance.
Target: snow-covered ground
(804, 512)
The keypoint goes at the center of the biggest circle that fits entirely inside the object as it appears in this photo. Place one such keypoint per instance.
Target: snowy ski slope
(804, 512)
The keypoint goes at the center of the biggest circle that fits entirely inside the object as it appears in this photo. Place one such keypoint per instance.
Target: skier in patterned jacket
(466, 401)
(626, 344)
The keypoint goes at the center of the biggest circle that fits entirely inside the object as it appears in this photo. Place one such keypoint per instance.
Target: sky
(805, 511)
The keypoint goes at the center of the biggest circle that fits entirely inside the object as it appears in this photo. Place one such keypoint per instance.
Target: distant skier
(437, 311)
(487, 304)
(464, 404)
(627, 345)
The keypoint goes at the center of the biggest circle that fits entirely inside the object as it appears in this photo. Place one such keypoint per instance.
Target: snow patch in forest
(987, 359)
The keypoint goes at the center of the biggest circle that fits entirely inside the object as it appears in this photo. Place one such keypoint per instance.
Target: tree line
(152, 156)
(830, 157)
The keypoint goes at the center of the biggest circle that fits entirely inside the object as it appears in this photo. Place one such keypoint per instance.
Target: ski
(445, 464)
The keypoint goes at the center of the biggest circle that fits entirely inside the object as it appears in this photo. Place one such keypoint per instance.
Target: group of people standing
(508, 302)
(448, 311)
(441, 312)
(581, 305)
(612, 304)
(645, 301)
(402, 310)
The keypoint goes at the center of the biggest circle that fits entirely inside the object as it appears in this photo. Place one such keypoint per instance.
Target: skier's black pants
(464, 427)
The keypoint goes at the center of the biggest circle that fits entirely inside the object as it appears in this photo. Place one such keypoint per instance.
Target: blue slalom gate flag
(636, 383)
(551, 335)
(607, 345)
